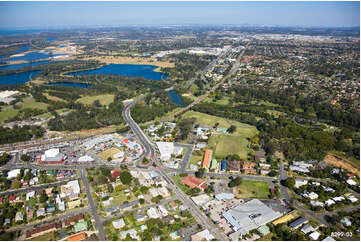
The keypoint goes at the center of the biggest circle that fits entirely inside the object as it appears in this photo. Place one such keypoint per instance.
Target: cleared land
(109, 153)
(252, 189)
(341, 162)
(131, 60)
(225, 144)
(53, 98)
(105, 99)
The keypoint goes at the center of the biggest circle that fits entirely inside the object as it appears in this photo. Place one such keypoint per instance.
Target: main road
(149, 152)
(93, 210)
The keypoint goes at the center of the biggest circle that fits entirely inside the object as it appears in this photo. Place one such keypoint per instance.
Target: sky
(67, 14)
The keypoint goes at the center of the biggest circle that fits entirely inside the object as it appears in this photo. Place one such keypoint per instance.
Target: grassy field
(252, 189)
(8, 112)
(227, 145)
(108, 153)
(105, 99)
(194, 160)
(31, 103)
(45, 237)
(243, 130)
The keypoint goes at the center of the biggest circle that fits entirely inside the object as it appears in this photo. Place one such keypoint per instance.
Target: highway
(93, 210)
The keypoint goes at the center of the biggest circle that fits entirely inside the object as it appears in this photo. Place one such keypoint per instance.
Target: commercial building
(165, 149)
(52, 156)
(250, 215)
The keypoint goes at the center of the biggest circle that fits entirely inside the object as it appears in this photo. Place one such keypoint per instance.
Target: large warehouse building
(250, 215)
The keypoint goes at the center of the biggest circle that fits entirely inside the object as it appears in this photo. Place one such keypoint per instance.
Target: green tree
(200, 172)
(25, 157)
(290, 182)
(126, 178)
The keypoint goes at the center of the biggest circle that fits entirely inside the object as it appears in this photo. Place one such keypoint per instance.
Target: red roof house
(194, 182)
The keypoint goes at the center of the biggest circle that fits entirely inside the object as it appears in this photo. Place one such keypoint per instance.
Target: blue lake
(31, 56)
(146, 71)
(70, 84)
(18, 78)
(176, 99)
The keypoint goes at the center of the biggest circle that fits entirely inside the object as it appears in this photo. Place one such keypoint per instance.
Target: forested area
(154, 106)
(290, 99)
(19, 134)
(296, 141)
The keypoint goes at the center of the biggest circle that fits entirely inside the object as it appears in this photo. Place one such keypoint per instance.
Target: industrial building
(250, 215)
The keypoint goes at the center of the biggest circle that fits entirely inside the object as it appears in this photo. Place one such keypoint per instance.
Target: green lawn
(45, 237)
(31, 103)
(227, 145)
(252, 189)
(104, 99)
(194, 160)
(8, 112)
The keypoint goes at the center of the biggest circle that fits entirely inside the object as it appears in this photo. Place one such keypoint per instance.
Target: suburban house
(249, 168)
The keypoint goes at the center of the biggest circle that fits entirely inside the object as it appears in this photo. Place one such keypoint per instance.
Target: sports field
(105, 99)
(252, 189)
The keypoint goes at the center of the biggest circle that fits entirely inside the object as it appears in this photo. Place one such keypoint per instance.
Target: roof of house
(234, 165)
(206, 158)
(77, 237)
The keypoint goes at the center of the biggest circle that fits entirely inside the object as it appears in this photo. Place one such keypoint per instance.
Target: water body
(20, 50)
(31, 56)
(18, 66)
(18, 78)
(70, 84)
(176, 99)
(145, 71)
